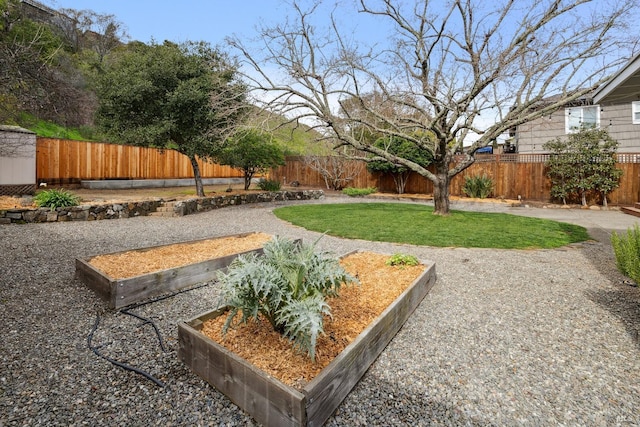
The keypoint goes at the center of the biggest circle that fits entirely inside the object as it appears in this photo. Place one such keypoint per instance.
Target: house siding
(618, 121)
(531, 136)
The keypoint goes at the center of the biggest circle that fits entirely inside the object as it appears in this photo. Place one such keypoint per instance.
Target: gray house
(614, 106)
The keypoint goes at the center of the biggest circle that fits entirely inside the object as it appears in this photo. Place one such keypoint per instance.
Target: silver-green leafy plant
(288, 285)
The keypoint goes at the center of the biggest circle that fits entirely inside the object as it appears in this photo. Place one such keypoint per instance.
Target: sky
(178, 21)
(214, 20)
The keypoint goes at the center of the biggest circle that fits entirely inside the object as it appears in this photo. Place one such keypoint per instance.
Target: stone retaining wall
(79, 213)
(187, 207)
(134, 209)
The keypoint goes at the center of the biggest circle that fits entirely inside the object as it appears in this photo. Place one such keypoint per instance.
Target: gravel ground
(539, 337)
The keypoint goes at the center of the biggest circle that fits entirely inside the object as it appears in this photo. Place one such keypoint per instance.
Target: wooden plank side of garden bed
(266, 399)
(95, 280)
(123, 292)
(333, 384)
(154, 284)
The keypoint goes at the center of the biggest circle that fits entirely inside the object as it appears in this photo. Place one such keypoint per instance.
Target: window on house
(635, 112)
(577, 118)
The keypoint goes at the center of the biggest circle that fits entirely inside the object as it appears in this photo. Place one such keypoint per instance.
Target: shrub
(627, 251)
(402, 260)
(269, 184)
(358, 192)
(56, 198)
(478, 186)
(287, 286)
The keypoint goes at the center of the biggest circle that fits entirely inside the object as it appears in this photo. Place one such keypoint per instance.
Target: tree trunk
(441, 194)
(400, 179)
(197, 176)
(247, 180)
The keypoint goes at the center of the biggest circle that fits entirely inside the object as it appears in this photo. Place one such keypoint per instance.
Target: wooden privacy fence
(60, 161)
(513, 175)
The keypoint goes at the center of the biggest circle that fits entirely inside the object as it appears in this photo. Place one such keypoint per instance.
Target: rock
(26, 201)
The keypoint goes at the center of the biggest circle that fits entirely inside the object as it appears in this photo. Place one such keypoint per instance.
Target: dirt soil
(138, 262)
(355, 308)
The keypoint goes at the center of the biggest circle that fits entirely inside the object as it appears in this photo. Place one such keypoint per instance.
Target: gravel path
(546, 337)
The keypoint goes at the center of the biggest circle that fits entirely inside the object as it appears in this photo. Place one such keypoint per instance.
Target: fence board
(514, 175)
(61, 161)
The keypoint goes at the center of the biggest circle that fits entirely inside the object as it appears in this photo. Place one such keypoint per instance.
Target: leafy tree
(401, 148)
(583, 162)
(252, 152)
(444, 67)
(182, 97)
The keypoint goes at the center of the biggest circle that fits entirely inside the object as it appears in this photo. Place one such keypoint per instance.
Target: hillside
(52, 60)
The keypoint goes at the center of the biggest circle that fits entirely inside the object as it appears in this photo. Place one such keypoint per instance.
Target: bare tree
(447, 66)
(73, 26)
(336, 170)
(88, 29)
(108, 34)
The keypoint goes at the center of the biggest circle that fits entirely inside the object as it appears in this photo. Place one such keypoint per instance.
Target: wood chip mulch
(355, 308)
(138, 262)
(10, 202)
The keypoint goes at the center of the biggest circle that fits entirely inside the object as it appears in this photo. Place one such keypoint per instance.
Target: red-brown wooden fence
(513, 175)
(60, 161)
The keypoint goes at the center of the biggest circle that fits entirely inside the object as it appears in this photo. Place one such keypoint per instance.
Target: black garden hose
(145, 321)
(115, 362)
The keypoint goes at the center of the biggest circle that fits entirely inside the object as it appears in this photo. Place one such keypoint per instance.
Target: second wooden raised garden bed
(271, 401)
(123, 291)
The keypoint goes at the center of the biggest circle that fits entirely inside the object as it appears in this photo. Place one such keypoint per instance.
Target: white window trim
(635, 108)
(566, 117)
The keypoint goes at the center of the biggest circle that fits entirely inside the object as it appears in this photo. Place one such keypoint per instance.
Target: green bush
(287, 286)
(627, 251)
(357, 192)
(56, 198)
(269, 185)
(478, 186)
(402, 260)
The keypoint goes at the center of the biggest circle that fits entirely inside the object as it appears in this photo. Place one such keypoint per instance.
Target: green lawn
(415, 224)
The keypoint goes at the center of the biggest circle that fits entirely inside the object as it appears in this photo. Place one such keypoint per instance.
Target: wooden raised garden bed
(165, 269)
(271, 401)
